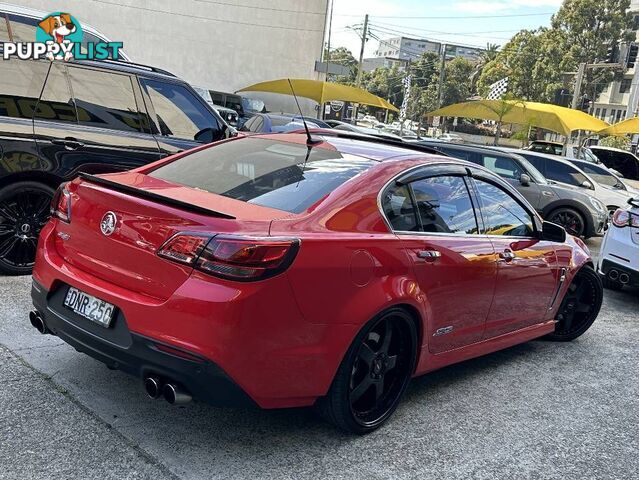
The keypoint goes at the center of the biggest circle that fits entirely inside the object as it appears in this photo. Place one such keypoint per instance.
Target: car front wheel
(580, 306)
(373, 375)
(24, 210)
(570, 219)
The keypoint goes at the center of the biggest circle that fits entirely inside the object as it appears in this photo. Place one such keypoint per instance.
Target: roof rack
(138, 65)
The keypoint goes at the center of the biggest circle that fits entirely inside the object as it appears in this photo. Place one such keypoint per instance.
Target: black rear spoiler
(137, 192)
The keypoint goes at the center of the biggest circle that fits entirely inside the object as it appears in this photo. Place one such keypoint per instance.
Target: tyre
(373, 375)
(570, 219)
(24, 210)
(580, 306)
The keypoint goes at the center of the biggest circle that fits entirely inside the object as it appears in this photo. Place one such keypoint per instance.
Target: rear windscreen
(281, 175)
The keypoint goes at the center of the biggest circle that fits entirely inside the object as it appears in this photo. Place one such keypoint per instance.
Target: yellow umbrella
(622, 128)
(321, 92)
(551, 117)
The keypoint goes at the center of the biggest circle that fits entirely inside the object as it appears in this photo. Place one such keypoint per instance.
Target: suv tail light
(232, 257)
(61, 204)
(624, 218)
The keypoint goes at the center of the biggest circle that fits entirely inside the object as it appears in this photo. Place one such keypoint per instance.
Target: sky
(474, 22)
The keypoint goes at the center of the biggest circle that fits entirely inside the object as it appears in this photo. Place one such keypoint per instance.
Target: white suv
(619, 259)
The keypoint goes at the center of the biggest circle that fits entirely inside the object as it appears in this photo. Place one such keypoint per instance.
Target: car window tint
(623, 162)
(91, 38)
(275, 174)
(23, 29)
(56, 103)
(399, 209)
(538, 162)
(503, 166)
(180, 113)
(444, 206)
(20, 86)
(104, 99)
(600, 175)
(502, 214)
(560, 172)
(461, 154)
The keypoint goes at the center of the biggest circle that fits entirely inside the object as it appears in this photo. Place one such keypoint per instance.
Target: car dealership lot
(540, 410)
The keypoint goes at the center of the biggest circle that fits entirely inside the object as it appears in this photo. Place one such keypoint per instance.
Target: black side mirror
(207, 135)
(553, 232)
(524, 179)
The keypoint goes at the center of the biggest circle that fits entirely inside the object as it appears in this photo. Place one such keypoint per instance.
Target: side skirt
(429, 361)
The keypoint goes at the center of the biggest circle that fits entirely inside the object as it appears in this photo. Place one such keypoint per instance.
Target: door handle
(68, 143)
(507, 255)
(429, 255)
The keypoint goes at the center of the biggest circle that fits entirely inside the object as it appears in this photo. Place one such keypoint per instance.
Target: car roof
(129, 67)
(547, 142)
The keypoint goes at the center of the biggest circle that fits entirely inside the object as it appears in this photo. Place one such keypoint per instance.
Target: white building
(612, 104)
(218, 45)
(406, 48)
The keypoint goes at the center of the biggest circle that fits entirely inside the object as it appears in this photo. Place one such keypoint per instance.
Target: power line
(155, 10)
(228, 4)
(458, 17)
(392, 31)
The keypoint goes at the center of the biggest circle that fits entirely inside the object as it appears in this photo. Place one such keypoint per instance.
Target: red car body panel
(282, 339)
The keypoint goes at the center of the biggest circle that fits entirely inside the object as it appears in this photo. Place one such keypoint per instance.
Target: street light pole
(578, 81)
(361, 62)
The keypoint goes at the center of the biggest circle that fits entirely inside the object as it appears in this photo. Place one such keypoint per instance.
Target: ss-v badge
(443, 331)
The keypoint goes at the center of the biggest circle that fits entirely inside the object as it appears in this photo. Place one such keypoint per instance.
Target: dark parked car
(278, 123)
(579, 213)
(620, 160)
(57, 119)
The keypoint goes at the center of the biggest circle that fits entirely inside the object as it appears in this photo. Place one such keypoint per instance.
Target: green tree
(486, 56)
(343, 56)
(590, 27)
(457, 83)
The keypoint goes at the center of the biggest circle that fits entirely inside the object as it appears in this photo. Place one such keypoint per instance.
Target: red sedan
(278, 272)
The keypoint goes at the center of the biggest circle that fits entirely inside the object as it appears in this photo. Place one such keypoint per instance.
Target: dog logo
(62, 29)
(108, 223)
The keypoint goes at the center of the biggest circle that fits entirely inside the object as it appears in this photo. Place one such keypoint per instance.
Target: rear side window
(105, 100)
(179, 112)
(600, 175)
(399, 209)
(538, 162)
(23, 29)
(20, 86)
(462, 154)
(280, 175)
(444, 205)
(56, 103)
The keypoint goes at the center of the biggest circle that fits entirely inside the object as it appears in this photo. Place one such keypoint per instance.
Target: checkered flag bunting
(498, 89)
(407, 83)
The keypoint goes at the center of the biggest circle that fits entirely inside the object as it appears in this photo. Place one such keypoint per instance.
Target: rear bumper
(140, 356)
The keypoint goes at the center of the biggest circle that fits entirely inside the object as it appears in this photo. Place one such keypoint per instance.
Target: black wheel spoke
(7, 212)
(583, 307)
(379, 388)
(361, 389)
(567, 322)
(6, 229)
(391, 362)
(366, 354)
(7, 245)
(388, 334)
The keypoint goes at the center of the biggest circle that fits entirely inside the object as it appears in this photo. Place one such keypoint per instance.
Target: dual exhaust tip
(37, 322)
(622, 277)
(155, 387)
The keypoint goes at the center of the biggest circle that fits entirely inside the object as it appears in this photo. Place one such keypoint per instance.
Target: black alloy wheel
(24, 210)
(570, 219)
(580, 306)
(374, 374)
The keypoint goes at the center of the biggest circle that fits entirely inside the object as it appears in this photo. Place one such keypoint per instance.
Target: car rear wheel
(24, 210)
(373, 375)
(580, 306)
(570, 219)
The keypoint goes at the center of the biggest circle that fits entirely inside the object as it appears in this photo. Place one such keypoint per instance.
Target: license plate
(90, 307)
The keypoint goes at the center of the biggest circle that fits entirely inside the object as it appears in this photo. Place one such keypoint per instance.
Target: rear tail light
(232, 257)
(61, 204)
(624, 218)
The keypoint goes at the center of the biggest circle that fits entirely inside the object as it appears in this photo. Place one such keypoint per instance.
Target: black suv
(59, 118)
(579, 213)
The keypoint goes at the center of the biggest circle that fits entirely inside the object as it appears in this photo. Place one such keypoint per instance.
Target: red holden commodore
(286, 271)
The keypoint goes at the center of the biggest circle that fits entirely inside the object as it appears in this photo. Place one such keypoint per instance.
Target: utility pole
(442, 69)
(327, 59)
(578, 81)
(633, 100)
(360, 66)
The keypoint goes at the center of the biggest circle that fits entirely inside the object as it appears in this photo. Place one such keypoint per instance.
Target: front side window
(180, 114)
(274, 174)
(560, 172)
(502, 214)
(600, 175)
(444, 205)
(503, 166)
(105, 100)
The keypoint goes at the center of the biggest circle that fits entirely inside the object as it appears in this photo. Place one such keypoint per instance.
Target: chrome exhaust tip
(153, 386)
(613, 274)
(624, 278)
(37, 322)
(175, 395)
